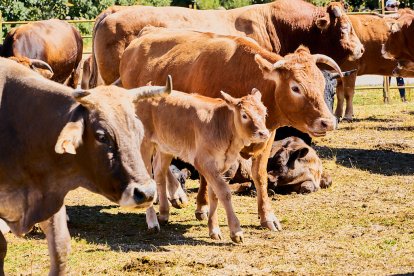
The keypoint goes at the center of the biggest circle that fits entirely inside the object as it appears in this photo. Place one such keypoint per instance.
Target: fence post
(386, 90)
(1, 28)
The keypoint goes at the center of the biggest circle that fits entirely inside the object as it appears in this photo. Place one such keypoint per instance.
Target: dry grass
(363, 224)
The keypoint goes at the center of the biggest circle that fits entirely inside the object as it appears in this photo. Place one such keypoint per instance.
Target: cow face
(338, 32)
(105, 135)
(398, 46)
(299, 94)
(249, 116)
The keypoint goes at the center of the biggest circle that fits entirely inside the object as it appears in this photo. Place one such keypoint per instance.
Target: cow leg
(222, 190)
(3, 251)
(178, 197)
(213, 224)
(349, 88)
(58, 240)
(201, 212)
(259, 174)
(161, 167)
(152, 220)
(339, 111)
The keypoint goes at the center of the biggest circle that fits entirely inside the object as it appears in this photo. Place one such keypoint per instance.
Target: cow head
(36, 65)
(105, 135)
(399, 45)
(249, 117)
(337, 32)
(299, 94)
(295, 164)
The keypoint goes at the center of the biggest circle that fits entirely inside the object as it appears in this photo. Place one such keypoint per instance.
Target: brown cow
(281, 26)
(216, 132)
(205, 63)
(373, 32)
(56, 42)
(53, 140)
(400, 45)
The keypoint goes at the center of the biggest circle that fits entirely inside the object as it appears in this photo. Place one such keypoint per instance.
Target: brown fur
(281, 27)
(54, 41)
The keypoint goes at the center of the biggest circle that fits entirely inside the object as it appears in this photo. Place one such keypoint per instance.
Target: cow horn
(344, 73)
(41, 63)
(279, 64)
(78, 94)
(337, 12)
(152, 91)
(319, 58)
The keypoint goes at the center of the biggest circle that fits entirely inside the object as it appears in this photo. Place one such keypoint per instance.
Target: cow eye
(102, 137)
(295, 89)
(244, 116)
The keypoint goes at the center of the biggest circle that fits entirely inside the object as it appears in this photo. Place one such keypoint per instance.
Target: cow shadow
(373, 119)
(379, 161)
(127, 231)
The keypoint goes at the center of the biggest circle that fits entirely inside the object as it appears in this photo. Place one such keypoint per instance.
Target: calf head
(399, 45)
(105, 136)
(338, 33)
(36, 65)
(295, 164)
(299, 93)
(249, 117)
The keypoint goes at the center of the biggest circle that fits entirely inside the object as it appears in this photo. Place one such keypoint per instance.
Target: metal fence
(386, 87)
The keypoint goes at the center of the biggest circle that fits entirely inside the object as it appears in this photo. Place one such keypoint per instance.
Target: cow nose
(326, 124)
(144, 193)
(264, 134)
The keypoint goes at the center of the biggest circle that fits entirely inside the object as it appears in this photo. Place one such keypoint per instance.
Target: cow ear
(256, 93)
(323, 22)
(70, 138)
(295, 155)
(266, 67)
(81, 96)
(229, 99)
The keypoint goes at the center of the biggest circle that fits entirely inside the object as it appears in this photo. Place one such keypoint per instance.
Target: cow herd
(253, 69)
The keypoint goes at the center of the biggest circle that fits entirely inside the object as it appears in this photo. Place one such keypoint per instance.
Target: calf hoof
(180, 202)
(163, 219)
(237, 237)
(154, 230)
(216, 234)
(201, 215)
(307, 187)
(272, 225)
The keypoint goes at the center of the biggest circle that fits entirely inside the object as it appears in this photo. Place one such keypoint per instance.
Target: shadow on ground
(379, 161)
(126, 231)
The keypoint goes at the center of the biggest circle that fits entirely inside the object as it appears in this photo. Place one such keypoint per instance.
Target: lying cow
(56, 42)
(280, 26)
(205, 63)
(53, 140)
(216, 131)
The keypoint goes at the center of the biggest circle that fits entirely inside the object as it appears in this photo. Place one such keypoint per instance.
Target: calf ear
(267, 68)
(256, 93)
(296, 154)
(70, 138)
(323, 22)
(229, 99)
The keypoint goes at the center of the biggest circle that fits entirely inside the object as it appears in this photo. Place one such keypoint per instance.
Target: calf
(216, 132)
(54, 139)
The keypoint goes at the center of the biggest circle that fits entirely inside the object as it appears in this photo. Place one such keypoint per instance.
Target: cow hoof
(180, 202)
(163, 219)
(237, 238)
(216, 234)
(201, 215)
(272, 225)
(347, 119)
(154, 230)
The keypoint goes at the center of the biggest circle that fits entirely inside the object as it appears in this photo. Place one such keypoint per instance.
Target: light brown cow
(373, 32)
(216, 130)
(206, 63)
(400, 45)
(56, 42)
(55, 139)
(36, 65)
(281, 26)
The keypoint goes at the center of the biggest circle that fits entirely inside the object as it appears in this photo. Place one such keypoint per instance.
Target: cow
(373, 32)
(54, 139)
(36, 65)
(399, 46)
(56, 42)
(217, 130)
(281, 26)
(206, 63)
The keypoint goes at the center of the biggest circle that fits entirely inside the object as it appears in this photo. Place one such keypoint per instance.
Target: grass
(363, 224)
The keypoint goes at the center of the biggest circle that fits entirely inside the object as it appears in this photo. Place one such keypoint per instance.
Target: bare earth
(363, 224)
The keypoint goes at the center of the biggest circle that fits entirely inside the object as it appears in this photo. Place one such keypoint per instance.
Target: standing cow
(206, 63)
(281, 26)
(53, 140)
(53, 41)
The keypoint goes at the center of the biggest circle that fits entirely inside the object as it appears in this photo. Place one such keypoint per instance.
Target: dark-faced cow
(281, 26)
(54, 41)
(206, 63)
(54, 139)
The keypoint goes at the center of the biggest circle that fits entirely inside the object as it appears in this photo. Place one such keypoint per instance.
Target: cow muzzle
(357, 53)
(139, 195)
(323, 125)
(261, 135)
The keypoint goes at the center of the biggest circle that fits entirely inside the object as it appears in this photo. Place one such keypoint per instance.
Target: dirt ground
(363, 224)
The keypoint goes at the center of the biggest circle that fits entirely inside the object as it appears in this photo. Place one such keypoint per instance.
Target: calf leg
(58, 240)
(213, 224)
(3, 251)
(201, 212)
(178, 197)
(259, 174)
